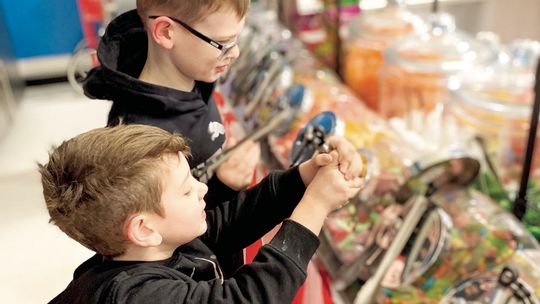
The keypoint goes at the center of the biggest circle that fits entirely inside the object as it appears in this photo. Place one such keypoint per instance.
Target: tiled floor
(37, 258)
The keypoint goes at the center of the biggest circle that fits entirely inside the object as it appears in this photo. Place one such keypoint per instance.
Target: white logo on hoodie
(215, 129)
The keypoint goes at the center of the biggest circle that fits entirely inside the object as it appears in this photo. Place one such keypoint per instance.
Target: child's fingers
(231, 142)
(349, 161)
(344, 165)
(356, 182)
(247, 156)
(323, 159)
(246, 147)
(356, 168)
(243, 151)
(252, 156)
(335, 157)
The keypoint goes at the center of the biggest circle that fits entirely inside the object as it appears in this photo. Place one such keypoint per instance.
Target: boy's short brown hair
(190, 11)
(96, 180)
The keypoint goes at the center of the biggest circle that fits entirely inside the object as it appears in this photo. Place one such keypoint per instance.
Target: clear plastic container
(418, 70)
(367, 38)
(495, 102)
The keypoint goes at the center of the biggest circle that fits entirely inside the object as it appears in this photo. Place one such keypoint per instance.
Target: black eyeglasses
(224, 48)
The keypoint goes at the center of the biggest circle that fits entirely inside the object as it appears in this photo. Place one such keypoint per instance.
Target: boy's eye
(187, 193)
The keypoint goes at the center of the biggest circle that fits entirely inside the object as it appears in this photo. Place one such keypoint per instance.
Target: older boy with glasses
(159, 65)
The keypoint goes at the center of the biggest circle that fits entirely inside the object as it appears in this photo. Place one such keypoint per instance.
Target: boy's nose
(203, 190)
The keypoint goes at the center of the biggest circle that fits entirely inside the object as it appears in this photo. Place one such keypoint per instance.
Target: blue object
(296, 95)
(41, 27)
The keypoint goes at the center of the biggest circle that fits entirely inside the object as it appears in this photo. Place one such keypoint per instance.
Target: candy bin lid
(505, 87)
(441, 48)
(386, 24)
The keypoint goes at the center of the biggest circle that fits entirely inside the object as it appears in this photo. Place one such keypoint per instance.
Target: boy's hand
(237, 171)
(349, 161)
(326, 191)
(329, 187)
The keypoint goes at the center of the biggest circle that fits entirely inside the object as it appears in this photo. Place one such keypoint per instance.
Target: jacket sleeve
(218, 192)
(275, 276)
(237, 223)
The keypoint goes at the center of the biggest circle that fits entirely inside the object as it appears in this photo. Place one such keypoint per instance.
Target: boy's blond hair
(190, 11)
(96, 180)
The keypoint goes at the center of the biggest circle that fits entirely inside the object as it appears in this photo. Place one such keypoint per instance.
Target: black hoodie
(192, 274)
(122, 54)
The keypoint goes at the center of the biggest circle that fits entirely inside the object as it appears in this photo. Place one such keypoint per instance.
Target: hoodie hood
(122, 54)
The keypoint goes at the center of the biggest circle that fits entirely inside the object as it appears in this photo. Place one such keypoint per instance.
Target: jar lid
(440, 49)
(505, 87)
(387, 24)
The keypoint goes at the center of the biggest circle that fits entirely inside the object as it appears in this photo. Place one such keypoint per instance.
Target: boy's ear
(139, 231)
(161, 31)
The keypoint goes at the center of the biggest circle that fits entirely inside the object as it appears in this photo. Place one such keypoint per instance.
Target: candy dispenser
(418, 71)
(367, 37)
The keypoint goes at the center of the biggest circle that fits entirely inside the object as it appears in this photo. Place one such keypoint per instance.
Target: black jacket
(122, 54)
(192, 274)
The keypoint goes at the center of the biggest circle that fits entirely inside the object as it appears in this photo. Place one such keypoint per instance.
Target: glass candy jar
(367, 38)
(495, 103)
(418, 71)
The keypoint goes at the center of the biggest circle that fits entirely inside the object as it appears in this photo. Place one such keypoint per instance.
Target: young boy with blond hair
(127, 193)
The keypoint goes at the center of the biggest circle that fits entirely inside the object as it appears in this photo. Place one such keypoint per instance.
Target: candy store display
(462, 234)
(368, 36)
